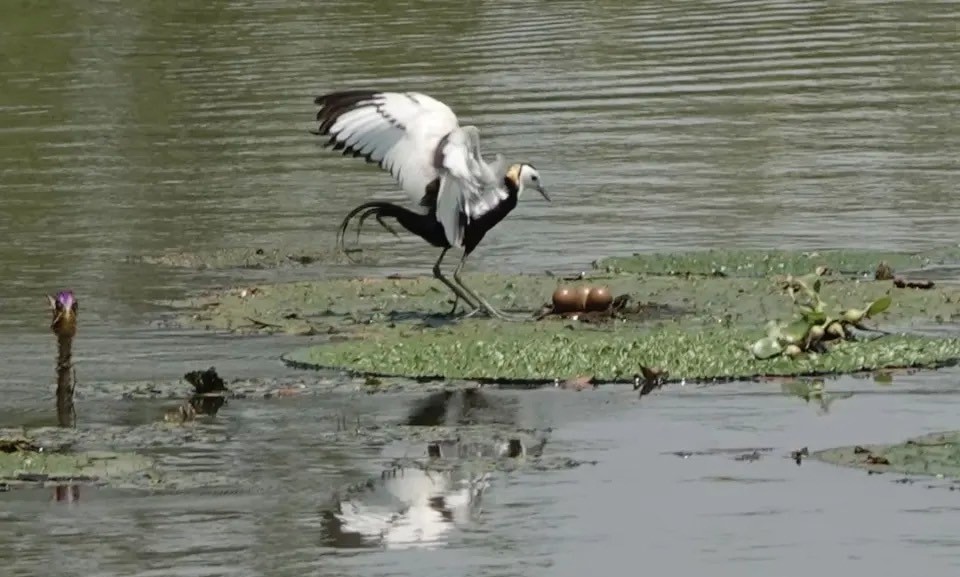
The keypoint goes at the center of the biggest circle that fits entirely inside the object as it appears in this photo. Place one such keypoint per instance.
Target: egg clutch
(582, 298)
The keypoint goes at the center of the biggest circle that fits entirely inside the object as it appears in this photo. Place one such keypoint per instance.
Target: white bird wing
(469, 187)
(400, 131)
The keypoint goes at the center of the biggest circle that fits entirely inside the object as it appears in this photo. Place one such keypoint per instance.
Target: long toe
(494, 313)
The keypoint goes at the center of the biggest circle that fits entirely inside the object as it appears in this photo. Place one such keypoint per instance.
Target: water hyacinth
(812, 326)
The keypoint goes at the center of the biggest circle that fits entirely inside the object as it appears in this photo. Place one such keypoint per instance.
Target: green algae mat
(936, 454)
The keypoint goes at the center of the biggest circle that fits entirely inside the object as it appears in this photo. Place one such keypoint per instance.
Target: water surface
(133, 128)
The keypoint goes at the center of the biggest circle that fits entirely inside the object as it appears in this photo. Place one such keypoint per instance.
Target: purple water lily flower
(64, 307)
(66, 300)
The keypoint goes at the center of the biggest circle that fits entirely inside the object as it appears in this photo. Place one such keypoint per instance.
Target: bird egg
(598, 299)
(565, 300)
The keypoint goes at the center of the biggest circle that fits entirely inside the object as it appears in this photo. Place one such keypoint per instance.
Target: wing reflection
(407, 507)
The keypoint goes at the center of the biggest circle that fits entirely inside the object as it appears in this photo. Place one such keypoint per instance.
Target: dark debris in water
(739, 453)
(209, 391)
(649, 379)
(209, 395)
(15, 444)
(799, 454)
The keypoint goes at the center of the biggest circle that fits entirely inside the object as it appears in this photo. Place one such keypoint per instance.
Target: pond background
(129, 129)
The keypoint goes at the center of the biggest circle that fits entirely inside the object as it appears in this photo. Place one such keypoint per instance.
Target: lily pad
(766, 348)
(753, 263)
(31, 465)
(878, 306)
(505, 352)
(936, 454)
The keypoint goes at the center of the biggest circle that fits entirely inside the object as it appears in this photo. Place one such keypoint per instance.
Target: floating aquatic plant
(935, 454)
(544, 352)
(813, 325)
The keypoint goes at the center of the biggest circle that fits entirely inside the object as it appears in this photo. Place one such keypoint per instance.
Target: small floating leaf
(796, 331)
(813, 315)
(766, 348)
(878, 306)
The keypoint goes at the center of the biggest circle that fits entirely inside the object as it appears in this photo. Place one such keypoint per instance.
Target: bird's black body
(478, 228)
(427, 227)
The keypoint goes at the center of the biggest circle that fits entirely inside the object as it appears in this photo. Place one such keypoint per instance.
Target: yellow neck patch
(513, 174)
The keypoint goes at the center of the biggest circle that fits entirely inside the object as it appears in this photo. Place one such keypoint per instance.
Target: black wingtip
(333, 104)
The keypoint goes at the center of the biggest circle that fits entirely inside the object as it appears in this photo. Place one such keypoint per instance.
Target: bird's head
(64, 307)
(526, 176)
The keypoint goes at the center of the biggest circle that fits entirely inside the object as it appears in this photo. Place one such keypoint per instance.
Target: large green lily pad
(936, 454)
(753, 263)
(489, 350)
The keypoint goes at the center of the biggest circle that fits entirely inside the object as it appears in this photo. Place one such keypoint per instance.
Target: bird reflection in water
(408, 507)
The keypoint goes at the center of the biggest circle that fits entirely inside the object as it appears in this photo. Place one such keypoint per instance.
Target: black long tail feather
(423, 225)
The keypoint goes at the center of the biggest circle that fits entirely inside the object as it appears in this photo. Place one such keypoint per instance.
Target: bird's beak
(544, 193)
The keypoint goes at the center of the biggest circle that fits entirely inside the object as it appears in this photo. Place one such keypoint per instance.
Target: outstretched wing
(399, 131)
(469, 187)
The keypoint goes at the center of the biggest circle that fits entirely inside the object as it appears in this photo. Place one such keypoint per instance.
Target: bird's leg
(484, 305)
(456, 290)
(453, 310)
